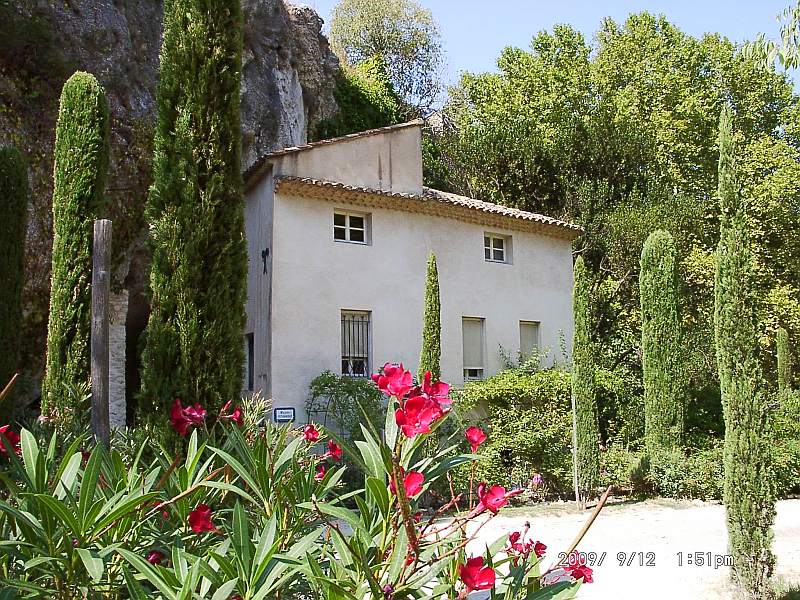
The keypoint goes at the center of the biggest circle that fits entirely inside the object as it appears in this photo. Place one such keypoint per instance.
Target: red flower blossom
(539, 549)
(417, 516)
(394, 381)
(493, 498)
(183, 418)
(417, 415)
(412, 483)
(200, 519)
(334, 451)
(311, 433)
(234, 417)
(581, 572)
(155, 557)
(438, 391)
(475, 576)
(475, 436)
(12, 437)
(320, 474)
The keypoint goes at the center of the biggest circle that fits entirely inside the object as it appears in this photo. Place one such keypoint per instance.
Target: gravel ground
(660, 527)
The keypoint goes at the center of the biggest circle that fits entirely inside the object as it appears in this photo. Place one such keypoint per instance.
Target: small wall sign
(283, 415)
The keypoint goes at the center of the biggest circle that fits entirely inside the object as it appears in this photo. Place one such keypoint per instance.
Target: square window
(497, 248)
(351, 227)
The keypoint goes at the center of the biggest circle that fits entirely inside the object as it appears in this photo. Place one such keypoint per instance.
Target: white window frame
(492, 238)
(480, 369)
(347, 214)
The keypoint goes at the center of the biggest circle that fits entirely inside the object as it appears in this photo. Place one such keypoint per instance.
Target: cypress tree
(784, 364)
(748, 492)
(81, 163)
(198, 279)
(586, 430)
(661, 346)
(13, 224)
(431, 354)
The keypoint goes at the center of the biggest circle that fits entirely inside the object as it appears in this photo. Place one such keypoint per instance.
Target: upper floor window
(497, 248)
(356, 343)
(351, 227)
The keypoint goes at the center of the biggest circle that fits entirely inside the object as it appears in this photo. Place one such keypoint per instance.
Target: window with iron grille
(356, 343)
(351, 227)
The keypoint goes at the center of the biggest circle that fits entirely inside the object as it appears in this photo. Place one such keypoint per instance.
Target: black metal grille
(355, 344)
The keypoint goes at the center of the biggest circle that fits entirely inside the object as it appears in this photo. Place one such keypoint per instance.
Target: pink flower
(311, 433)
(412, 483)
(234, 417)
(475, 576)
(200, 519)
(416, 415)
(493, 498)
(155, 557)
(475, 436)
(12, 437)
(582, 572)
(536, 480)
(320, 474)
(539, 549)
(334, 451)
(438, 391)
(395, 380)
(183, 418)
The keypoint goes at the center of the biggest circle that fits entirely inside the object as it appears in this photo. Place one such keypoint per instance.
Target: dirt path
(662, 528)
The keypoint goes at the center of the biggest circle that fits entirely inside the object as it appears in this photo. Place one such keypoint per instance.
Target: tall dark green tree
(784, 363)
(584, 399)
(431, 354)
(198, 284)
(748, 493)
(81, 165)
(13, 223)
(661, 343)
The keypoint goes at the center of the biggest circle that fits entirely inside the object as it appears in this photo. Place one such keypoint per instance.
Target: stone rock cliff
(287, 86)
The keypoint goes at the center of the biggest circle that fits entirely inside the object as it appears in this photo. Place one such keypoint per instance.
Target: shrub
(13, 226)
(193, 341)
(338, 402)
(253, 512)
(81, 162)
(431, 353)
(528, 414)
(661, 344)
(584, 400)
(749, 493)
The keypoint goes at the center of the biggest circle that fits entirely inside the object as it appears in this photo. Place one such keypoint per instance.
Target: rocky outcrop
(288, 81)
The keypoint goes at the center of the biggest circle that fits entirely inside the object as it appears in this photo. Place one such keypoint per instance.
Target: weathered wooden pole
(101, 292)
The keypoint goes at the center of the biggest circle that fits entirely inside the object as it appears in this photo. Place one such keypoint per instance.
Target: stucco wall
(314, 278)
(388, 161)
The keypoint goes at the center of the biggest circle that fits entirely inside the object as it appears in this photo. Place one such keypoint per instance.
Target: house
(339, 232)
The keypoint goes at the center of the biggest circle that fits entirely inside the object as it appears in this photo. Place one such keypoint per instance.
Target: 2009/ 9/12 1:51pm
(647, 559)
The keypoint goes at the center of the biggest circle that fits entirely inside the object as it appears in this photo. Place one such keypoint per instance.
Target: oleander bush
(235, 509)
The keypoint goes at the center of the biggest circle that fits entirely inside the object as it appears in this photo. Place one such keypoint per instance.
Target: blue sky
(474, 32)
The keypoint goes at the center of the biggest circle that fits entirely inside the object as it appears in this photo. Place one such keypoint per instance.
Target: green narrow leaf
(224, 591)
(30, 454)
(242, 544)
(150, 573)
(94, 565)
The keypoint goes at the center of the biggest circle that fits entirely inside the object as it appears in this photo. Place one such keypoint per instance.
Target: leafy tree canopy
(403, 34)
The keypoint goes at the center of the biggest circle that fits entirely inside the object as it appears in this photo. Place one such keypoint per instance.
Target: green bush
(528, 414)
(696, 475)
(81, 162)
(334, 402)
(366, 100)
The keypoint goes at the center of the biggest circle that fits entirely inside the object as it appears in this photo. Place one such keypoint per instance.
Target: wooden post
(101, 292)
